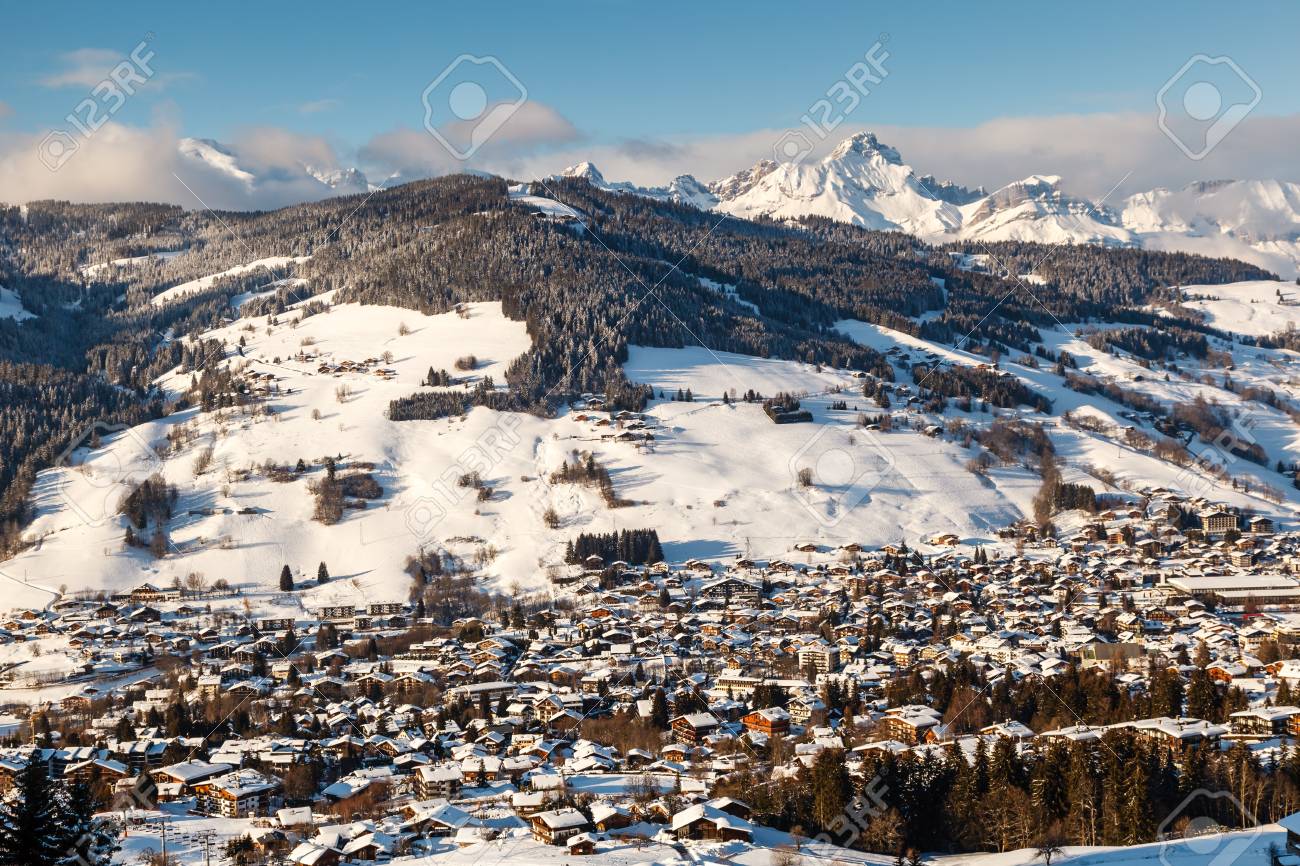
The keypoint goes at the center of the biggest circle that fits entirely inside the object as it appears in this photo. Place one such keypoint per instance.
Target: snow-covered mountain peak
(215, 156)
(344, 180)
(586, 171)
(867, 145)
(311, 181)
(1036, 209)
(862, 181)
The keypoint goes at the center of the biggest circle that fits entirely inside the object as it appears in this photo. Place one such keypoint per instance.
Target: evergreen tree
(286, 580)
(659, 709)
(322, 574)
(87, 840)
(33, 826)
(831, 787)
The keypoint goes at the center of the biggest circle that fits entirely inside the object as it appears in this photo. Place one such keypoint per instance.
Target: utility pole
(207, 846)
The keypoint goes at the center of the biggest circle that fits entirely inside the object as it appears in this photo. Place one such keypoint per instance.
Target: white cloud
(318, 105)
(88, 67)
(532, 130)
(1091, 153)
(125, 163)
(84, 67)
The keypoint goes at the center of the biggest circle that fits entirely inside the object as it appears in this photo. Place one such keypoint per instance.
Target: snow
(11, 306)
(215, 156)
(688, 482)
(865, 182)
(715, 480)
(1272, 429)
(548, 206)
(1035, 209)
(1254, 220)
(1248, 308)
(710, 374)
(80, 533)
(131, 261)
(202, 283)
(862, 182)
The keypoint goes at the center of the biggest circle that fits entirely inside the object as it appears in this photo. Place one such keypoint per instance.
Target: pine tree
(87, 841)
(659, 709)
(831, 786)
(33, 829)
(322, 574)
(286, 580)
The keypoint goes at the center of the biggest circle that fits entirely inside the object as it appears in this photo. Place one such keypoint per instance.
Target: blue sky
(644, 73)
(634, 70)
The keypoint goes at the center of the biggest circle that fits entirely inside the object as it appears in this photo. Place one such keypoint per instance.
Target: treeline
(633, 546)
(152, 500)
(587, 470)
(1119, 790)
(956, 380)
(1150, 343)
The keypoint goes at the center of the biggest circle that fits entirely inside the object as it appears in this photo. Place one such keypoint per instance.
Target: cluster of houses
(372, 731)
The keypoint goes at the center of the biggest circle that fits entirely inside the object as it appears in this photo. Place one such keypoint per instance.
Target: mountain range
(865, 182)
(224, 161)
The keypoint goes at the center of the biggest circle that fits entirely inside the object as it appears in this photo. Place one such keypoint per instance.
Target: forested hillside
(629, 271)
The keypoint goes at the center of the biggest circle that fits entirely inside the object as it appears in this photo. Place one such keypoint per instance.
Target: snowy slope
(1253, 220)
(1254, 309)
(11, 306)
(717, 479)
(690, 482)
(215, 156)
(202, 283)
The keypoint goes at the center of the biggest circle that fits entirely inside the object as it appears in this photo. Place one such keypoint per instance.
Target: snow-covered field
(11, 306)
(716, 480)
(1250, 308)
